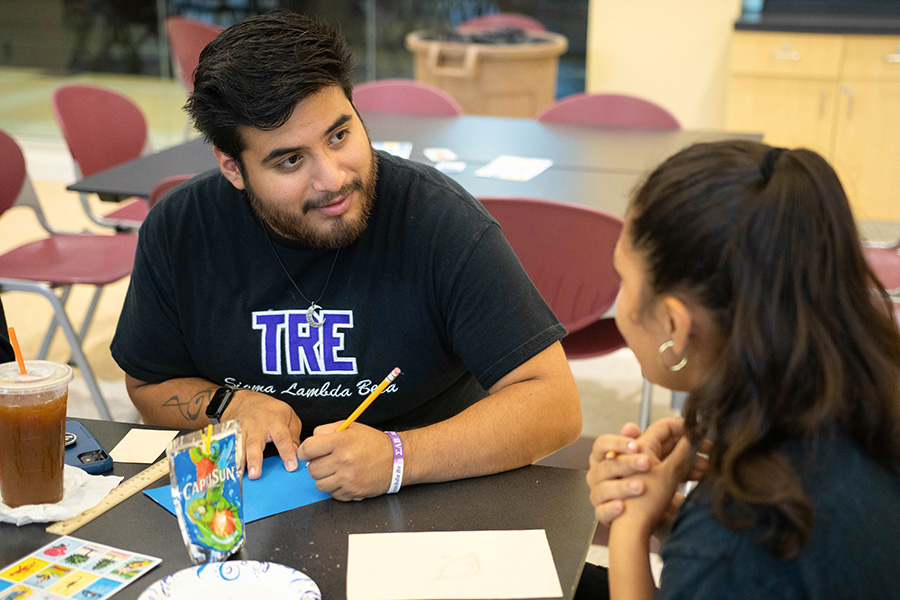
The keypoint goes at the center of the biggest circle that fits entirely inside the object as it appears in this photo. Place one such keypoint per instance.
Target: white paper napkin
(81, 491)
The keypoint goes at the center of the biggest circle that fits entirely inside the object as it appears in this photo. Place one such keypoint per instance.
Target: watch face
(219, 403)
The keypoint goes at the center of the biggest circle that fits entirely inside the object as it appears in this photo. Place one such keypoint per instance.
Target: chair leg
(77, 353)
(119, 225)
(51, 331)
(677, 403)
(89, 315)
(646, 404)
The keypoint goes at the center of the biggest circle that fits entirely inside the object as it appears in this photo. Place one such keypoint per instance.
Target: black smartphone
(84, 451)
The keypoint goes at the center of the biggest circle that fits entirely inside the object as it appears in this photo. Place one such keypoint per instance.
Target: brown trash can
(501, 80)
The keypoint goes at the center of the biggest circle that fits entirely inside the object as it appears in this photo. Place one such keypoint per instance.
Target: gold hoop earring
(659, 357)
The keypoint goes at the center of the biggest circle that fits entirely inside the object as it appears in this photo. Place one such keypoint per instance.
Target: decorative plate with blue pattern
(235, 579)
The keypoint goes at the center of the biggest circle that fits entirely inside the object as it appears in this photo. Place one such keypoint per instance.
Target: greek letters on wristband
(397, 476)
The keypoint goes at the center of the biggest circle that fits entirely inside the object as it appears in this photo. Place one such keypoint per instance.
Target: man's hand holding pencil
(352, 461)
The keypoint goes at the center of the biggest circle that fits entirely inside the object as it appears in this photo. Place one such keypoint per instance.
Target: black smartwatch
(220, 401)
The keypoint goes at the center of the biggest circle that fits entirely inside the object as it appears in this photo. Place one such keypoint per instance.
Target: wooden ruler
(123, 491)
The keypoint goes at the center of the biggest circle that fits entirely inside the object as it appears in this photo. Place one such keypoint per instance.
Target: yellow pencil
(365, 403)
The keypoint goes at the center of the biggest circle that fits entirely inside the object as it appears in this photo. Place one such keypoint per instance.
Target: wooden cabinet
(836, 94)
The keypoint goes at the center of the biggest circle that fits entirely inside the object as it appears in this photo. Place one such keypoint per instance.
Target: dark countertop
(820, 23)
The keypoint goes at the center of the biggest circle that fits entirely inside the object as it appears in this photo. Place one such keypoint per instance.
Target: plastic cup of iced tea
(32, 431)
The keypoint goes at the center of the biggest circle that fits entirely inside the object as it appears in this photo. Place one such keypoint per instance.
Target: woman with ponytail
(744, 284)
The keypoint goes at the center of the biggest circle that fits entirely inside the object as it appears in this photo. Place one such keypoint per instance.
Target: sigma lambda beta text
(212, 480)
(363, 388)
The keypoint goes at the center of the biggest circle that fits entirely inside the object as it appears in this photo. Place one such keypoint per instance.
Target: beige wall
(674, 52)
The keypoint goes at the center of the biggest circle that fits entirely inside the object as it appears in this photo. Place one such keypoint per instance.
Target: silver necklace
(314, 313)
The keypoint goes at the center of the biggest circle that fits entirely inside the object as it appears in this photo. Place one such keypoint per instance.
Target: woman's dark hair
(764, 239)
(256, 72)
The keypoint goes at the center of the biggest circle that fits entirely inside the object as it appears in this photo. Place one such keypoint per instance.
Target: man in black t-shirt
(282, 288)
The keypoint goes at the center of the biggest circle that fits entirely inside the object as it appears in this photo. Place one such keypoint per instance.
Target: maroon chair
(503, 19)
(102, 129)
(58, 262)
(567, 252)
(187, 39)
(164, 186)
(608, 110)
(884, 260)
(405, 96)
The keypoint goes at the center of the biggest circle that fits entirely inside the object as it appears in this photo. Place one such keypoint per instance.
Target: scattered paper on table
(142, 445)
(437, 155)
(277, 490)
(450, 167)
(451, 564)
(514, 168)
(73, 568)
(401, 149)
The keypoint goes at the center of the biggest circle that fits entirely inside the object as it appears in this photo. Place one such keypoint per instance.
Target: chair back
(15, 185)
(102, 128)
(885, 262)
(405, 96)
(567, 252)
(609, 110)
(164, 186)
(504, 19)
(12, 171)
(187, 39)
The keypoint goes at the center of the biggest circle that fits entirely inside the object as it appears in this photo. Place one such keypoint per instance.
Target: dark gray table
(314, 538)
(593, 167)
(479, 139)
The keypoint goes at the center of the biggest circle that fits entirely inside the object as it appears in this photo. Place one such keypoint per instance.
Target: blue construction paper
(276, 491)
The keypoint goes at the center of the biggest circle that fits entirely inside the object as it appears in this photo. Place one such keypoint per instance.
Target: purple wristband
(397, 476)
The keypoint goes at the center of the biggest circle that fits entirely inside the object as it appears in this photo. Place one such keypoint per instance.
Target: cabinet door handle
(786, 53)
(823, 99)
(851, 98)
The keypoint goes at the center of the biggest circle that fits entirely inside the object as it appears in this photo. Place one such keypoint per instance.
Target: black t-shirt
(431, 286)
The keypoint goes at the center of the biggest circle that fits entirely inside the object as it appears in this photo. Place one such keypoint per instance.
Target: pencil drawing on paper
(457, 566)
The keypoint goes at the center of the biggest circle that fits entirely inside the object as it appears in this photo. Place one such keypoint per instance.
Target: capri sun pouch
(205, 472)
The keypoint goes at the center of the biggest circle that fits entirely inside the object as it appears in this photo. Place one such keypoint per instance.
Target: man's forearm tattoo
(191, 409)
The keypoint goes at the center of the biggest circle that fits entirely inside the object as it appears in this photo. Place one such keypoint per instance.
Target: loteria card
(72, 568)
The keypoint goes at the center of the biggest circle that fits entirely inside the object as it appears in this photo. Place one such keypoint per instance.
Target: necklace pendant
(314, 315)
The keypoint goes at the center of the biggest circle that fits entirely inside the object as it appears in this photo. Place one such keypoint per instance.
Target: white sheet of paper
(451, 564)
(401, 149)
(142, 445)
(438, 155)
(514, 168)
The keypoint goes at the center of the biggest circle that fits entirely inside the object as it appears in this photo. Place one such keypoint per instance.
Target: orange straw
(15, 344)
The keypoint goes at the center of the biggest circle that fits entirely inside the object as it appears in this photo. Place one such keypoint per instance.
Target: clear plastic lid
(40, 376)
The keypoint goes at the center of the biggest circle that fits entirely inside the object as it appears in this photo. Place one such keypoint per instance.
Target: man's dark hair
(256, 72)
